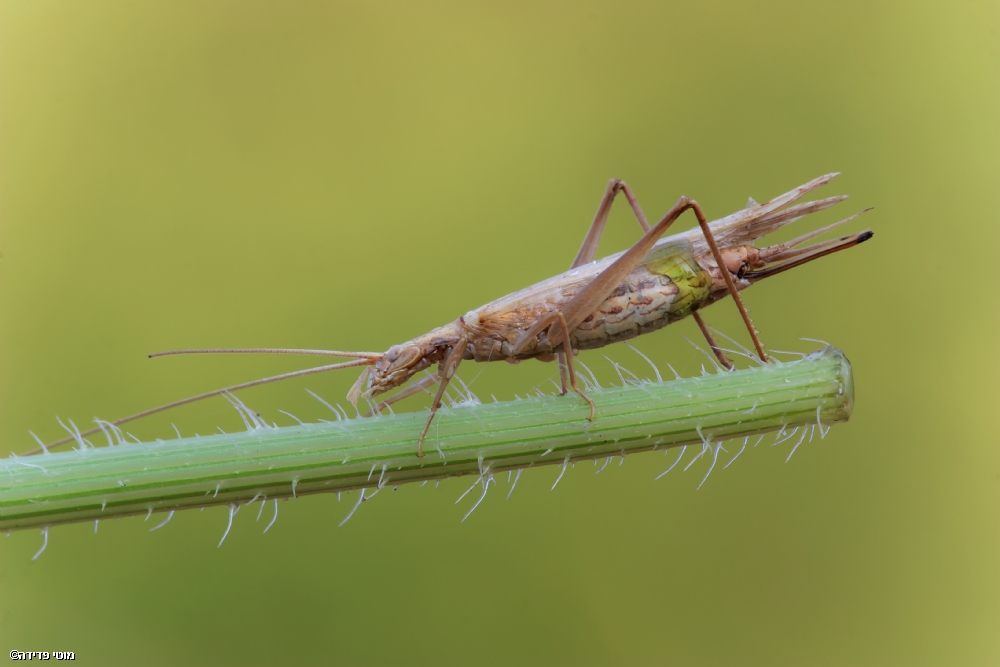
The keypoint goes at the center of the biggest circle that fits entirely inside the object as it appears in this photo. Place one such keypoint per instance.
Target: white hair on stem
(649, 361)
(822, 433)
(486, 477)
(75, 435)
(617, 370)
(787, 437)
(289, 414)
(715, 458)
(516, 477)
(561, 473)
(745, 441)
(45, 450)
(705, 446)
(710, 357)
(232, 511)
(165, 522)
(361, 499)
(486, 485)
(817, 340)
(745, 351)
(674, 464)
(593, 385)
(273, 518)
(790, 352)
(100, 425)
(803, 437)
(45, 543)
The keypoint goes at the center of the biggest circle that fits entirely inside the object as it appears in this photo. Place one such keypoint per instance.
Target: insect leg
(414, 388)
(445, 372)
(710, 238)
(550, 320)
(590, 242)
(720, 355)
(589, 248)
(569, 363)
(590, 297)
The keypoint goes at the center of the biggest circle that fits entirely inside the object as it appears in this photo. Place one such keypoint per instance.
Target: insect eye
(402, 355)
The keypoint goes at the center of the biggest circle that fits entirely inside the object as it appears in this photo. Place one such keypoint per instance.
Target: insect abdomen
(667, 288)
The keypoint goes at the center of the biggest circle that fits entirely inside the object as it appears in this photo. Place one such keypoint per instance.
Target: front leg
(446, 369)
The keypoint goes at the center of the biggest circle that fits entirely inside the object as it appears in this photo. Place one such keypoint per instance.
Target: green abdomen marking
(694, 284)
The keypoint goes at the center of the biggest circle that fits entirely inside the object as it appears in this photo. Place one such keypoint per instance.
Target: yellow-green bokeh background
(350, 175)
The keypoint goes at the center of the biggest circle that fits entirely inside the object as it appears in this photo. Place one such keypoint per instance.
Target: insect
(654, 283)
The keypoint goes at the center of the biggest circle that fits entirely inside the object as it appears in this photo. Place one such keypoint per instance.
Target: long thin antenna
(271, 350)
(192, 399)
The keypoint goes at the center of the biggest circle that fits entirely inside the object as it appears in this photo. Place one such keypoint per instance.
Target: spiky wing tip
(791, 196)
(750, 224)
(759, 227)
(746, 225)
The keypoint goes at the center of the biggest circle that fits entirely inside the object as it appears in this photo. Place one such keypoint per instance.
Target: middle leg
(588, 250)
(550, 320)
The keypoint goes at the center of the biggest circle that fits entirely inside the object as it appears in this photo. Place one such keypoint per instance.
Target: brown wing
(511, 314)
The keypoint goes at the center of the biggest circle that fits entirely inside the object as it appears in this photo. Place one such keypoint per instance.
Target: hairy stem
(136, 478)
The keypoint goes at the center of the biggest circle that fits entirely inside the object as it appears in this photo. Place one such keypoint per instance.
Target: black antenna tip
(864, 236)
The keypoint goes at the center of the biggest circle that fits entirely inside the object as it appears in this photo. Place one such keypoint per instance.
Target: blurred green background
(350, 175)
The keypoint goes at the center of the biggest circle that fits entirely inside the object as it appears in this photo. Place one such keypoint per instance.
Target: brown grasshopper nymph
(595, 303)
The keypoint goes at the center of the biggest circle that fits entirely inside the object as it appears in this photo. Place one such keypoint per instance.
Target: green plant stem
(136, 478)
